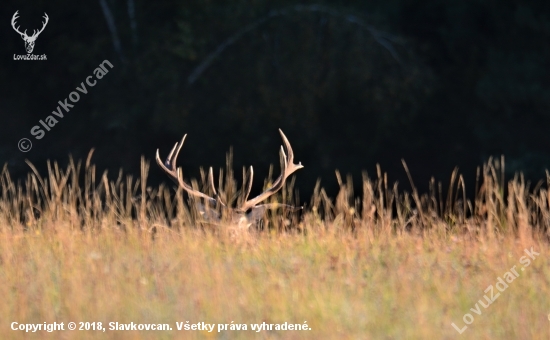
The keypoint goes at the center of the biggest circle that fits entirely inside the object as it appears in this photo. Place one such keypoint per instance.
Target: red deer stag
(239, 214)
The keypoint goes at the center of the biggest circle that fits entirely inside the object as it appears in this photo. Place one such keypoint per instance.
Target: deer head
(250, 209)
(29, 41)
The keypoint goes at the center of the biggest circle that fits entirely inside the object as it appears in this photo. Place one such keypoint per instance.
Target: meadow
(78, 246)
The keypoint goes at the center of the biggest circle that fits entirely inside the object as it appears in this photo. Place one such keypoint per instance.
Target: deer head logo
(29, 41)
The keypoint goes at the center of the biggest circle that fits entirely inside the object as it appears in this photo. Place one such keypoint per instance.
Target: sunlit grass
(388, 265)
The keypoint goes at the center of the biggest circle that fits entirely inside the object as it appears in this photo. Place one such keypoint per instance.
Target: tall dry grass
(77, 246)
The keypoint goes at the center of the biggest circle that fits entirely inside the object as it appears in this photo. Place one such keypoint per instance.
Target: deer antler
(35, 32)
(288, 167)
(44, 23)
(169, 166)
(13, 20)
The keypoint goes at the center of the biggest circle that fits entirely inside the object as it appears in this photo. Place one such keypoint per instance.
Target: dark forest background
(352, 84)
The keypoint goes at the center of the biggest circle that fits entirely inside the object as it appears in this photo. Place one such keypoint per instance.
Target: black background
(351, 83)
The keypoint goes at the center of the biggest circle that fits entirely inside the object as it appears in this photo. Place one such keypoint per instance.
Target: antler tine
(290, 159)
(211, 181)
(287, 160)
(213, 187)
(13, 23)
(169, 166)
(35, 32)
(288, 167)
(44, 23)
(249, 184)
